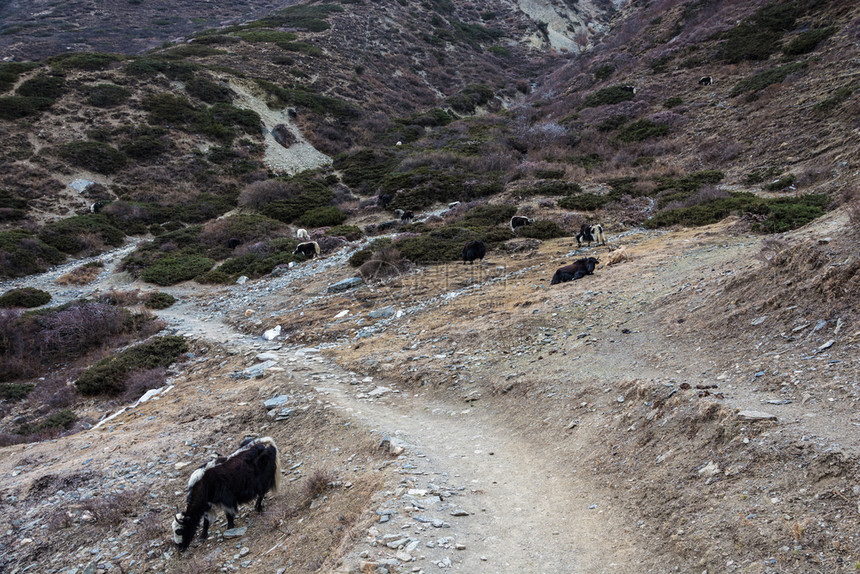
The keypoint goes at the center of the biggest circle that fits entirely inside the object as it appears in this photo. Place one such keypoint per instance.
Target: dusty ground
(593, 426)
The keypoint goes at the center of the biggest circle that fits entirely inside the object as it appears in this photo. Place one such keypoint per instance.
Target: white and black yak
(576, 270)
(518, 221)
(225, 483)
(309, 249)
(407, 216)
(590, 233)
(474, 250)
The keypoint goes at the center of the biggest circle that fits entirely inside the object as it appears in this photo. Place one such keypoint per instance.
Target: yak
(576, 270)
(309, 249)
(474, 250)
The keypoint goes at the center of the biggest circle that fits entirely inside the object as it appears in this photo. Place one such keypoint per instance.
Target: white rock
(272, 333)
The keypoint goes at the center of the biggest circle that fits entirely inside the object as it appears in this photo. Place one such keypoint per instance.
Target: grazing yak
(706, 81)
(382, 200)
(97, 207)
(474, 250)
(309, 249)
(225, 483)
(577, 269)
(590, 233)
(518, 221)
(233, 243)
(407, 216)
(303, 234)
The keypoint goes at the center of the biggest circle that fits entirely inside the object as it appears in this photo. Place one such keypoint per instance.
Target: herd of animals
(254, 469)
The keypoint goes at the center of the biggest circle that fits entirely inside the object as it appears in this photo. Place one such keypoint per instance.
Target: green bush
(758, 36)
(23, 254)
(60, 420)
(349, 232)
(167, 108)
(672, 102)
(16, 107)
(603, 72)
(364, 170)
(446, 243)
(781, 183)
(70, 235)
(11, 71)
(323, 217)
(208, 91)
(94, 156)
(248, 121)
(145, 147)
(190, 51)
(51, 86)
(469, 98)
(766, 78)
(435, 117)
(90, 62)
(584, 202)
(150, 67)
(26, 297)
(159, 300)
(641, 130)
(107, 95)
(839, 96)
(612, 124)
(173, 268)
(108, 376)
(487, 215)
(322, 105)
(266, 35)
(15, 391)
(607, 96)
(542, 229)
(290, 209)
(360, 257)
(755, 177)
(806, 42)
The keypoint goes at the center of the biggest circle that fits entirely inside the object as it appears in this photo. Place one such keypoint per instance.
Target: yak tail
(268, 440)
(317, 250)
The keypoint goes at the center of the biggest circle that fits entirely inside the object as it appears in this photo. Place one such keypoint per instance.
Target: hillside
(687, 408)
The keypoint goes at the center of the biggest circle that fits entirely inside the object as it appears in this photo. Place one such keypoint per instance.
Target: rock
(267, 357)
(345, 285)
(709, 469)
(241, 280)
(343, 313)
(827, 345)
(272, 333)
(378, 391)
(756, 416)
(382, 313)
(759, 320)
(235, 532)
(280, 414)
(459, 512)
(276, 402)
(258, 369)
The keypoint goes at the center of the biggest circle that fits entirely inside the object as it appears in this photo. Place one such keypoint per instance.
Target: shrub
(290, 209)
(90, 62)
(758, 36)
(107, 95)
(641, 130)
(11, 71)
(51, 86)
(74, 234)
(360, 257)
(385, 262)
(766, 78)
(603, 72)
(257, 262)
(542, 229)
(60, 420)
(608, 96)
(364, 170)
(469, 98)
(94, 156)
(781, 183)
(210, 92)
(175, 268)
(26, 297)
(167, 108)
(244, 227)
(190, 51)
(17, 107)
(487, 215)
(146, 146)
(672, 102)
(839, 96)
(150, 67)
(323, 217)
(806, 42)
(265, 35)
(15, 391)
(584, 201)
(108, 376)
(22, 253)
(350, 232)
(159, 300)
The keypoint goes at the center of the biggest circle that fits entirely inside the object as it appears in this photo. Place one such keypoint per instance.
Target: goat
(309, 249)
(474, 250)
(590, 233)
(618, 255)
(225, 483)
(576, 270)
(518, 221)
(303, 234)
(706, 81)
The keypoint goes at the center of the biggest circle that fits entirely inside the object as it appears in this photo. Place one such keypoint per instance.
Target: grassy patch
(106, 95)
(758, 36)
(469, 98)
(60, 420)
(766, 78)
(552, 188)
(446, 243)
(25, 297)
(322, 105)
(641, 130)
(608, 96)
(780, 184)
(93, 155)
(108, 376)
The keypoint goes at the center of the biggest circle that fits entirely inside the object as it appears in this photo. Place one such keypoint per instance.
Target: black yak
(474, 250)
(518, 221)
(577, 269)
(225, 483)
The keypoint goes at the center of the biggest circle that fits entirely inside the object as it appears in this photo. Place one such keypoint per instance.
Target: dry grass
(83, 275)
